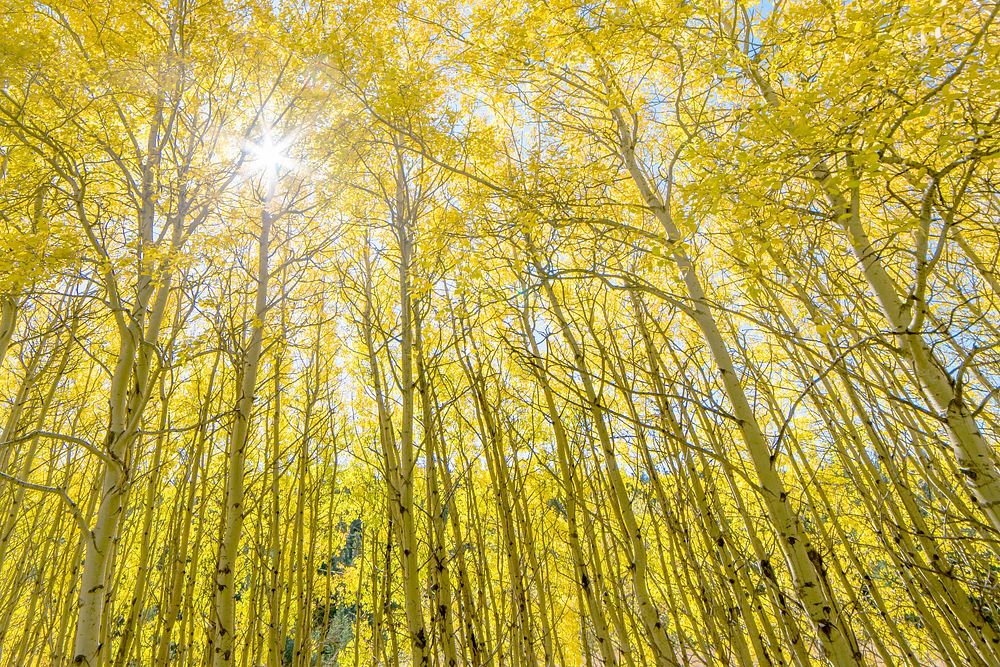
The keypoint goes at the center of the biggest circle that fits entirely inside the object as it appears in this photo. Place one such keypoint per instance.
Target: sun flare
(269, 155)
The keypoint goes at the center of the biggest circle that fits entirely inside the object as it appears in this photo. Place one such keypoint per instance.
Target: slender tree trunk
(223, 621)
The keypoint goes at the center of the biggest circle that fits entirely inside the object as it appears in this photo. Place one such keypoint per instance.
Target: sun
(269, 155)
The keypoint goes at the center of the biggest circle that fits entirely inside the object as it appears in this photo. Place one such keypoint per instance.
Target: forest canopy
(630, 333)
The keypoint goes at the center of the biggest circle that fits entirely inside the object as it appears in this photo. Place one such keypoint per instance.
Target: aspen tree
(440, 575)
(222, 641)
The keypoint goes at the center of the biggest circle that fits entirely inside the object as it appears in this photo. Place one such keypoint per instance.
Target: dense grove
(498, 333)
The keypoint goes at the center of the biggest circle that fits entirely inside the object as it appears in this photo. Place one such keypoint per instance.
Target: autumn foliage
(499, 334)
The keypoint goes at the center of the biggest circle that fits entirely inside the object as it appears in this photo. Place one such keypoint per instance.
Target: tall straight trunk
(123, 422)
(400, 462)
(716, 535)
(523, 649)
(403, 218)
(536, 573)
(149, 510)
(390, 458)
(304, 570)
(275, 557)
(439, 575)
(221, 643)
